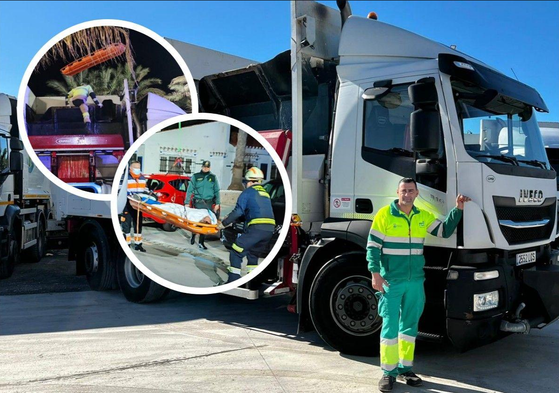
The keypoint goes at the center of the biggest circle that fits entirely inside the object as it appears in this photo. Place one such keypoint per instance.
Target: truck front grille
(507, 209)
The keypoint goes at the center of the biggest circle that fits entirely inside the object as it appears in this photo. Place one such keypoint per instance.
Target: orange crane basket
(97, 57)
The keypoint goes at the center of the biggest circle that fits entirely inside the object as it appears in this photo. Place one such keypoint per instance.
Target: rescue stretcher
(97, 57)
(178, 221)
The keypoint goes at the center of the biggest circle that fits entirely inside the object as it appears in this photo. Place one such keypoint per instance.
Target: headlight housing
(486, 301)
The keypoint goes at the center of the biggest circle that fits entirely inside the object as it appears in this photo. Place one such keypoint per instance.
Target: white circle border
(261, 266)
(21, 98)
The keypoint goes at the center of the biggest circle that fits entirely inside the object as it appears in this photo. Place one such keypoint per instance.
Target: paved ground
(96, 341)
(171, 256)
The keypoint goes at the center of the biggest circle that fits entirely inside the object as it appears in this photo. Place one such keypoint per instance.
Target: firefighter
(204, 189)
(255, 206)
(78, 97)
(395, 259)
(131, 219)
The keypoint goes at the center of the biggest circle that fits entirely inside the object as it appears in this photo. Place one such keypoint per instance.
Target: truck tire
(167, 227)
(135, 286)
(7, 267)
(343, 306)
(94, 252)
(37, 252)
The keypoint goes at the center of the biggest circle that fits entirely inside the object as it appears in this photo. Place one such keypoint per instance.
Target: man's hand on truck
(460, 200)
(378, 282)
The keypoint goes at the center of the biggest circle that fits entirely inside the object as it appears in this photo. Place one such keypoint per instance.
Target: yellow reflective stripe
(405, 351)
(251, 267)
(234, 270)
(237, 248)
(389, 355)
(262, 221)
(264, 194)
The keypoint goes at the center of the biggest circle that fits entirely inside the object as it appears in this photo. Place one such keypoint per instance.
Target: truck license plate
(525, 257)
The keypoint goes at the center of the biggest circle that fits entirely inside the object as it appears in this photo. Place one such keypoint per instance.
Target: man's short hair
(407, 180)
(135, 162)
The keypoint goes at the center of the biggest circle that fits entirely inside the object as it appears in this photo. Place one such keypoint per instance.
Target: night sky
(147, 53)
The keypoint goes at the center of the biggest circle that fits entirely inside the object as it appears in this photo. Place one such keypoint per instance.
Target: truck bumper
(536, 287)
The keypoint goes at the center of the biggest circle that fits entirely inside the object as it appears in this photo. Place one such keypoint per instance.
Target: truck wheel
(169, 227)
(7, 267)
(35, 253)
(135, 286)
(343, 306)
(94, 252)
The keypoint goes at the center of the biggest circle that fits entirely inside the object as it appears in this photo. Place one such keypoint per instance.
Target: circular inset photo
(203, 203)
(90, 92)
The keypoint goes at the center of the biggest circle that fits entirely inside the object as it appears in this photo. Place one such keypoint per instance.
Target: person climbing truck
(78, 97)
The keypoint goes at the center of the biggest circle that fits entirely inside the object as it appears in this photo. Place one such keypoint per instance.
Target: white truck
(24, 197)
(373, 103)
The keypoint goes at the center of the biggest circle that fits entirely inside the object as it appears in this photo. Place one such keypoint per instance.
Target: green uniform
(395, 250)
(205, 187)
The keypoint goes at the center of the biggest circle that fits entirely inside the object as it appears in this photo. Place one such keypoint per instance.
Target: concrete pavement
(96, 341)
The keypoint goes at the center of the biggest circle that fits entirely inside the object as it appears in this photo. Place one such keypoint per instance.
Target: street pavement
(96, 341)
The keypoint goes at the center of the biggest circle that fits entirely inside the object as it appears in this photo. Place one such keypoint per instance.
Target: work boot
(88, 127)
(139, 248)
(202, 246)
(410, 378)
(193, 239)
(386, 383)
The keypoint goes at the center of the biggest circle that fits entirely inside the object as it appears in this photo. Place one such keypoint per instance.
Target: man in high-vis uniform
(131, 219)
(395, 259)
(205, 187)
(255, 206)
(78, 97)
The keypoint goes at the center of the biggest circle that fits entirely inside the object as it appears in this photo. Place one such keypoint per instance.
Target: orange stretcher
(99, 56)
(178, 221)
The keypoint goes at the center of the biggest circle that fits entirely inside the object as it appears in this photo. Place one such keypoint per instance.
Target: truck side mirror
(16, 161)
(425, 121)
(16, 144)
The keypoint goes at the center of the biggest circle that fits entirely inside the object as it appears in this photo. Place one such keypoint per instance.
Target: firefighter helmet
(254, 174)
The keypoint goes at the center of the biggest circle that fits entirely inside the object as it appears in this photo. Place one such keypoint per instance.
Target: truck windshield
(498, 129)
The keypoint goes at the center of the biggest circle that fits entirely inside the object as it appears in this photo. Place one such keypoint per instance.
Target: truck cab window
(386, 122)
(4, 161)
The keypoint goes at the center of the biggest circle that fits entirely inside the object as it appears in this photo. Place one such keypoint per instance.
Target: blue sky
(519, 35)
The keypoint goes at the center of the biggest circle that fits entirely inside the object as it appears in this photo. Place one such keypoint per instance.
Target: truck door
(383, 152)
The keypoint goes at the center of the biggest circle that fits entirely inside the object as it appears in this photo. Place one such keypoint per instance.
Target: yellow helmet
(254, 174)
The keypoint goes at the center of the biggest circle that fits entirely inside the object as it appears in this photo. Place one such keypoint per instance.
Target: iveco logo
(530, 196)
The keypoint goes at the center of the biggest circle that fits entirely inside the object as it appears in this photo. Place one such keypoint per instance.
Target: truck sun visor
(482, 76)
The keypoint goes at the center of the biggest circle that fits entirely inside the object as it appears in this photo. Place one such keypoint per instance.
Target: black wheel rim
(354, 306)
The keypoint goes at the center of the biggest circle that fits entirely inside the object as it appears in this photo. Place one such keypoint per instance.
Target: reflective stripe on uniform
(406, 349)
(402, 251)
(262, 221)
(388, 341)
(433, 226)
(237, 248)
(128, 239)
(234, 270)
(378, 234)
(264, 194)
(388, 353)
(250, 268)
(371, 243)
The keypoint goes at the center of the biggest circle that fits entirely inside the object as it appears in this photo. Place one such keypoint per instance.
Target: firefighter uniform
(131, 221)
(395, 250)
(255, 205)
(78, 97)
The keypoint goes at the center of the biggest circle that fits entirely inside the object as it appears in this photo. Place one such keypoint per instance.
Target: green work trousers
(400, 307)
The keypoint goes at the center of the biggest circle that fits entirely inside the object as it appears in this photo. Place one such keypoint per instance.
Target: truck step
(431, 337)
(250, 294)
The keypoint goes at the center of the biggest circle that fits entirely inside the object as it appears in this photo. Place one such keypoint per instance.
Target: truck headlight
(486, 301)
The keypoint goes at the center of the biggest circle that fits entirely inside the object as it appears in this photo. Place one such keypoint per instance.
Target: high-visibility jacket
(204, 186)
(136, 186)
(395, 245)
(255, 205)
(82, 91)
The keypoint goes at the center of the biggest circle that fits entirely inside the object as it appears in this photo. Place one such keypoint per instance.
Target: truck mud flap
(541, 291)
